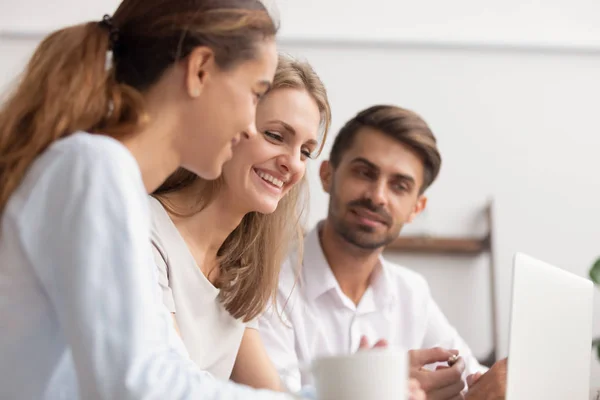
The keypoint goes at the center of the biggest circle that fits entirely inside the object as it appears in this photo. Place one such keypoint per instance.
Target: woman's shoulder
(163, 233)
(81, 164)
(160, 219)
(86, 160)
(92, 149)
(81, 179)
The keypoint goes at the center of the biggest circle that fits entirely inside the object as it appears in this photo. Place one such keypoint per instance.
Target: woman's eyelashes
(275, 136)
(307, 153)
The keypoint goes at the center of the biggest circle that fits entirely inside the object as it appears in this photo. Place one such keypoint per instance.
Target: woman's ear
(199, 63)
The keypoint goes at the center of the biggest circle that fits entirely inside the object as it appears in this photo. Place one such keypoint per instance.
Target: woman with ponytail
(104, 113)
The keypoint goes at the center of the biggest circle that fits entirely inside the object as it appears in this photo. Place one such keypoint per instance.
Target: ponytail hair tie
(113, 32)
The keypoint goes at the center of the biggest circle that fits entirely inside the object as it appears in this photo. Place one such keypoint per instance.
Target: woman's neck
(155, 158)
(154, 147)
(204, 231)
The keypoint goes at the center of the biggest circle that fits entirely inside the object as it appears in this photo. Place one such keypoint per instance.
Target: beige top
(212, 336)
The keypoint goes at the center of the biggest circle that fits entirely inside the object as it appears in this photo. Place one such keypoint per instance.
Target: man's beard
(360, 235)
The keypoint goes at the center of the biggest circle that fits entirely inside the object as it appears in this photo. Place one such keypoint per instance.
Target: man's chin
(365, 242)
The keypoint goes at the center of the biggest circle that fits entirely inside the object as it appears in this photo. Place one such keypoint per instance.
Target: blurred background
(511, 89)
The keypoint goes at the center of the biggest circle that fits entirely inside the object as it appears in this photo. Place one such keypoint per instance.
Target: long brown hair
(251, 256)
(68, 87)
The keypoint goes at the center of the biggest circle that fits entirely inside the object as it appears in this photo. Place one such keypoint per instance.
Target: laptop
(550, 333)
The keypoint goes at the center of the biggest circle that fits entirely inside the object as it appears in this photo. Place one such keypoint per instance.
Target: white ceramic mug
(378, 374)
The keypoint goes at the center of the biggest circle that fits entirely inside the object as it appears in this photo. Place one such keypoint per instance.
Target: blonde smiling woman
(219, 244)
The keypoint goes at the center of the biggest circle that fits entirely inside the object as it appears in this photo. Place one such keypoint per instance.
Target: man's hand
(414, 390)
(445, 383)
(489, 386)
(471, 379)
(364, 343)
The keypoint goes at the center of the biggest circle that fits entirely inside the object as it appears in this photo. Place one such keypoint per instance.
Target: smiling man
(346, 294)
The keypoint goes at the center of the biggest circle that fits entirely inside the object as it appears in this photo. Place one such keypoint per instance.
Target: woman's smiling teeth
(269, 178)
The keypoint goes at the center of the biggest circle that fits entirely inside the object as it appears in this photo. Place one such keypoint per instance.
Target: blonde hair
(66, 86)
(251, 256)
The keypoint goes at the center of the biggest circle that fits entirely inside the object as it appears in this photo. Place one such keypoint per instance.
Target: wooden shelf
(440, 245)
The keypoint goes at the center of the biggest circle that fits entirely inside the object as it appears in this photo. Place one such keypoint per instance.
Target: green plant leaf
(596, 344)
(595, 272)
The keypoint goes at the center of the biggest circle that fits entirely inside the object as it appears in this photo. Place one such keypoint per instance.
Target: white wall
(554, 23)
(511, 89)
(44, 16)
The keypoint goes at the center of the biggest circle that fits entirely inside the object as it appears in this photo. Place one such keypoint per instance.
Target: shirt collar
(382, 284)
(319, 279)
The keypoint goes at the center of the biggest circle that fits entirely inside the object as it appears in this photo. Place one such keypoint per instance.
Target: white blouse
(80, 313)
(211, 335)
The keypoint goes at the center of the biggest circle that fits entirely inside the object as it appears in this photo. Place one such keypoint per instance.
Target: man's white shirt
(315, 318)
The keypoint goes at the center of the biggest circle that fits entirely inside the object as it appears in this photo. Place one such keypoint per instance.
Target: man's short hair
(403, 125)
